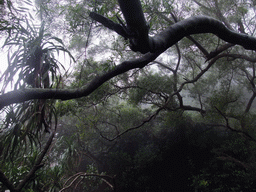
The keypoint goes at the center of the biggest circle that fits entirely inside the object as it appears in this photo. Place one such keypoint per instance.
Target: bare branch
(136, 127)
(220, 15)
(232, 129)
(75, 177)
(164, 66)
(213, 54)
(249, 104)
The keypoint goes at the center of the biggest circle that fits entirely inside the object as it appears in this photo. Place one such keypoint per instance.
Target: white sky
(63, 59)
(3, 59)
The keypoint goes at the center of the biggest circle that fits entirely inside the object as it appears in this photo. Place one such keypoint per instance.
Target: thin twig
(82, 174)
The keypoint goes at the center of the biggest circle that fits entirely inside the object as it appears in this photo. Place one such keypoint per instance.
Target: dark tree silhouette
(158, 44)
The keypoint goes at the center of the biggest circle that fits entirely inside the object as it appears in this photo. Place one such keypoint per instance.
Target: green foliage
(65, 107)
(152, 88)
(197, 148)
(24, 125)
(228, 166)
(33, 61)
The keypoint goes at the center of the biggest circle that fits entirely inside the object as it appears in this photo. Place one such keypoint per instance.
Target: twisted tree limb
(161, 42)
(140, 41)
(22, 95)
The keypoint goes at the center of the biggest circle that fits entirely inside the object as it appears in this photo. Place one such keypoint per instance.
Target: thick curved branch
(162, 41)
(200, 47)
(137, 26)
(195, 25)
(198, 25)
(22, 95)
(109, 24)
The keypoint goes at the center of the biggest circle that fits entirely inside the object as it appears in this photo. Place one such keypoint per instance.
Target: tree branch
(226, 157)
(136, 127)
(38, 163)
(109, 24)
(232, 129)
(162, 41)
(22, 95)
(75, 177)
(213, 54)
(6, 181)
(136, 25)
(199, 46)
(198, 25)
(190, 26)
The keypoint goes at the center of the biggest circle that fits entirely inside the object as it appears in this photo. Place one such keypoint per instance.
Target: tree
(166, 39)
(209, 57)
